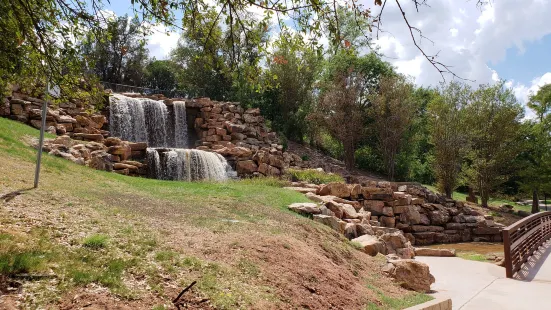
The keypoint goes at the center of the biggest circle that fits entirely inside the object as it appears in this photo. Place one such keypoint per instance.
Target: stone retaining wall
(423, 216)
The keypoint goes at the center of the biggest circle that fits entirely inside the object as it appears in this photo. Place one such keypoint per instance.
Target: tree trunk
(484, 197)
(349, 156)
(449, 192)
(535, 202)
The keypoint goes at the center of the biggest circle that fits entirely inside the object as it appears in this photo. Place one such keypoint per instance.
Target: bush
(312, 176)
(368, 159)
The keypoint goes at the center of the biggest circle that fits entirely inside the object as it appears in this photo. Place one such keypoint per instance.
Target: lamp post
(41, 140)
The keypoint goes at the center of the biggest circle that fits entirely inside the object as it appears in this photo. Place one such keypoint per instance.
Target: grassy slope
(493, 201)
(111, 239)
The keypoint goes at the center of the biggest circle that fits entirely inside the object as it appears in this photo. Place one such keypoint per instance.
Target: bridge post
(507, 250)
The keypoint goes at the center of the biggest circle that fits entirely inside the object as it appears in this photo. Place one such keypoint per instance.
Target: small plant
(96, 242)
(357, 245)
(16, 263)
(312, 176)
(305, 157)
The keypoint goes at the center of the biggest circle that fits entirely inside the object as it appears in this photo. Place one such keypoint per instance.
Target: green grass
(493, 201)
(312, 176)
(472, 256)
(391, 303)
(96, 241)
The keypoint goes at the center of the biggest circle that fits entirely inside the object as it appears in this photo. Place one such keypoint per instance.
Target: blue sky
(523, 65)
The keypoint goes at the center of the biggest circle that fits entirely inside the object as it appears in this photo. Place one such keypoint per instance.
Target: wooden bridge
(523, 239)
(524, 284)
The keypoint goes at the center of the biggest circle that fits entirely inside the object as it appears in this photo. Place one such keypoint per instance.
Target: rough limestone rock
(336, 208)
(397, 243)
(370, 244)
(330, 221)
(411, 274)
(305, 208)
(348, 211)
(435, 252)
(246, 167)
(335, 189)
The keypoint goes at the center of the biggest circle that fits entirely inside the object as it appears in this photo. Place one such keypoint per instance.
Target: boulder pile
(122, 157)
(68, 118)
(423, 216)
(241, 136)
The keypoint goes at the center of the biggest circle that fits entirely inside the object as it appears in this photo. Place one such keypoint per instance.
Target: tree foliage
(392, 108)
(117, 53)
(493, 123)
(448, 133)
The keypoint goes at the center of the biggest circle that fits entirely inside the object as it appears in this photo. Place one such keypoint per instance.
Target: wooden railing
(523, 238)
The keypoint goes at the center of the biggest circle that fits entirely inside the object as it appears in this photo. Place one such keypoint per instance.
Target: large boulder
(410, 216)
(397, 243)
(411, 274)
(439, 217)
(246, 167)
(370, 244)
(335, 189)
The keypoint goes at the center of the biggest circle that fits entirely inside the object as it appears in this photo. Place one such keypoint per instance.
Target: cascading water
(146, 120)
(165, 131)
(187, 165)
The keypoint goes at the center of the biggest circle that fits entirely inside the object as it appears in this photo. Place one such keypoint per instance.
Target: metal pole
(41, 141)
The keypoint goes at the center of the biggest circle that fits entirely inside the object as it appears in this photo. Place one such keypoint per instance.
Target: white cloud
(161, 41)
(523, 92)
(454, 32)
(466, 38)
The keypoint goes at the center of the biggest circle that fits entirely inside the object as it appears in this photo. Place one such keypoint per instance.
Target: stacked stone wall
(423, 216)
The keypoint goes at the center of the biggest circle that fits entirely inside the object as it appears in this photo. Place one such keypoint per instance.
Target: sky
(505, 39)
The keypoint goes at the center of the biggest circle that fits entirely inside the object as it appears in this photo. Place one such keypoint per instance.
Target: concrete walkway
(477, 285)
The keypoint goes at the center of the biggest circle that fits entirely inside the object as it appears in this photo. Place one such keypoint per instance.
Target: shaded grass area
(493, 201)
(94, 228)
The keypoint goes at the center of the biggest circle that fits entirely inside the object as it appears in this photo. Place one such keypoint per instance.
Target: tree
(161, 74)
(291, 73)
(493, 122)
(117, 53)
(392, 110)
(340, 111)
(447, 133)
(541, 103)
(536, 155)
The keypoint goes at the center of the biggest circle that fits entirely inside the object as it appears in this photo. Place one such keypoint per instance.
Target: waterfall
(180, 124)
(187, 165)
(146, 120)
(164, 128)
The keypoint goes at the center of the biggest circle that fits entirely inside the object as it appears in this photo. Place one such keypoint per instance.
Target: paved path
(477, 285)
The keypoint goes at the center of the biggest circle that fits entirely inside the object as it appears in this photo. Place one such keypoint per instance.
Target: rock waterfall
(165, 131)
(146, 120)
(187, 165)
